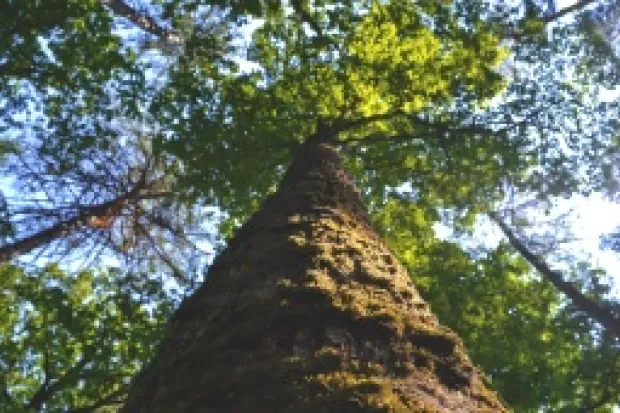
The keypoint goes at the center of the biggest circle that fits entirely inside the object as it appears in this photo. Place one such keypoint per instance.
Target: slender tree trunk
(593, 309)
(307, 310)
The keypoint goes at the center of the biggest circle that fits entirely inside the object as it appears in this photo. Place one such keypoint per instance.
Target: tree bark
(307, 310)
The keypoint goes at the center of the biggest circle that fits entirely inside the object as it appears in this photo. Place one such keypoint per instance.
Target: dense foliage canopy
(135, 136)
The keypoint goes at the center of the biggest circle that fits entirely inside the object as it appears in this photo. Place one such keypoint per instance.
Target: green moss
(308, 311)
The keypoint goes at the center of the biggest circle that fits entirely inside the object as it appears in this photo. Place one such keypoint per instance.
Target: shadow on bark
(307, 310)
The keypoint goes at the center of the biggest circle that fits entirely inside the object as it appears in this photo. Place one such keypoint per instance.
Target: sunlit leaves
(398, 58)
(396, 54)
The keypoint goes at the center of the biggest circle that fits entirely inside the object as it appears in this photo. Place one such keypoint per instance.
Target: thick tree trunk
(307, 310)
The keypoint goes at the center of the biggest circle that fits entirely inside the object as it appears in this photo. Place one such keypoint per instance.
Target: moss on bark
(307, 310)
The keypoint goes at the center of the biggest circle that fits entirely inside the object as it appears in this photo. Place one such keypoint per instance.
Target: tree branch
(343, 125)
(114, 398)
(93, 215)
(176, 272)
(5, 393)
(566, 10)
(47, 390)
(142, 20)
(590, 307)
(305, 17)
(518, 34)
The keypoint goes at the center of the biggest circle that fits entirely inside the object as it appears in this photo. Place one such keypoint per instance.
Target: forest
(309, 206)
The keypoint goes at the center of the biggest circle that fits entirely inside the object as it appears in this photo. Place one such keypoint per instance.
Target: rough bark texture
(307, 310)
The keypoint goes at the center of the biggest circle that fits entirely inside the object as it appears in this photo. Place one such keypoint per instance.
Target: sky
(594, 216)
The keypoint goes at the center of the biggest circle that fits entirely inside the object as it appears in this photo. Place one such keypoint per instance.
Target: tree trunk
(307, 310)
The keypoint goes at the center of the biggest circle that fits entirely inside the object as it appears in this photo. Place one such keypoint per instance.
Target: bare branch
(566, 10)
(93, 215)
(443, 127)
(142, 20)
(517, 34)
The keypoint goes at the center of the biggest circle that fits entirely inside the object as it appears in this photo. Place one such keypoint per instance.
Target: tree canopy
(135, 137)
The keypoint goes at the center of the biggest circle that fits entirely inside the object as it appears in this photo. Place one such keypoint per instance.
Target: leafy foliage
(444, 108)
(303, 78)
(74, 340)
(536, 351)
